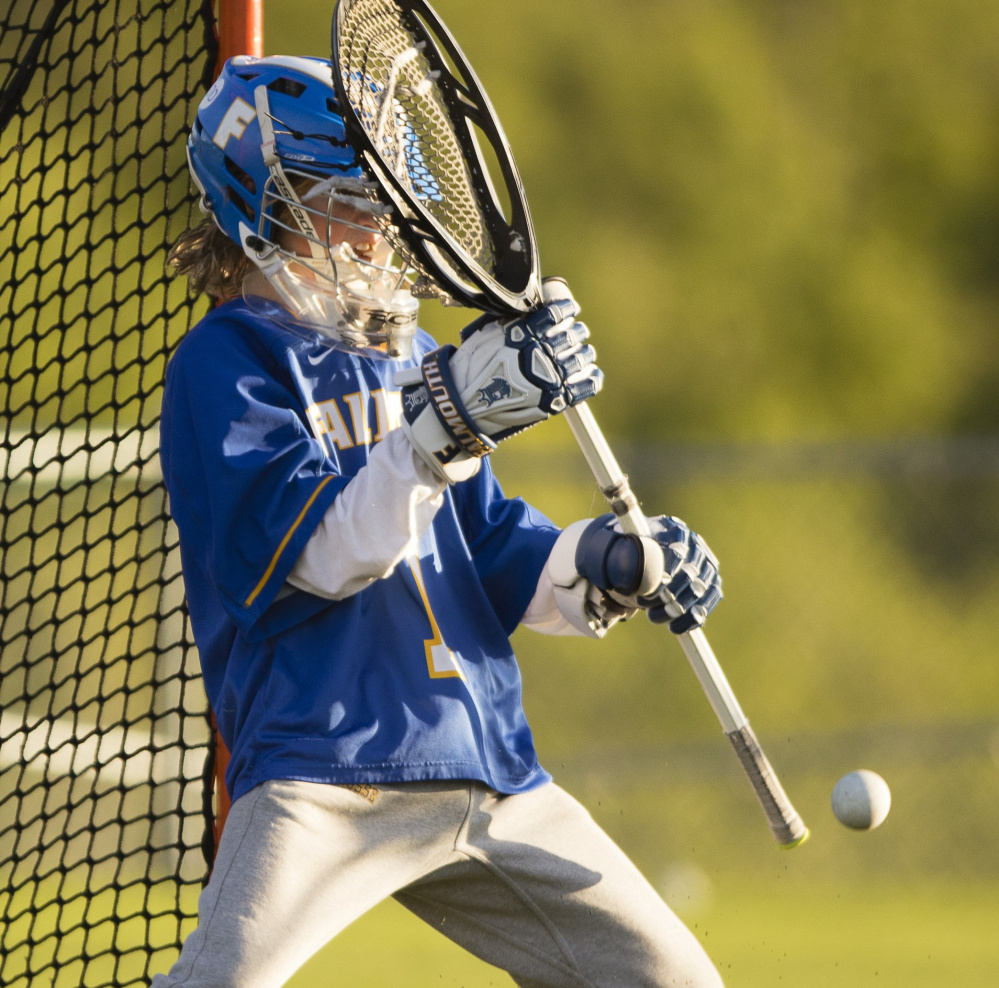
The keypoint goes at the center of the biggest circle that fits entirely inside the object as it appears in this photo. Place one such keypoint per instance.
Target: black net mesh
(103, 732)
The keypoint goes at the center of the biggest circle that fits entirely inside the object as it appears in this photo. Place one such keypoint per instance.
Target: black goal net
(103, 731)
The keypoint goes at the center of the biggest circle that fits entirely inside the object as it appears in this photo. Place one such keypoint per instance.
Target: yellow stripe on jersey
(291, 531)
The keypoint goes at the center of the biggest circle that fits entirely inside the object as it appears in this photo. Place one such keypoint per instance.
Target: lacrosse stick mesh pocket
(395, 95)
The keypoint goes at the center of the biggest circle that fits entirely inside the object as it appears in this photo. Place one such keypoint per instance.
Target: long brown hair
(213, 263)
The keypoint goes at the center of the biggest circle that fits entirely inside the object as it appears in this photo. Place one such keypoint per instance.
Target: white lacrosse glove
(671, 574)
(504, 378)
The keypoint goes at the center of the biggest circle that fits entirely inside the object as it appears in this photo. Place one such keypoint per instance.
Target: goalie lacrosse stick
(428, 135)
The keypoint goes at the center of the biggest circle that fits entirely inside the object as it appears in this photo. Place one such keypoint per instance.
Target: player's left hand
(689, 587)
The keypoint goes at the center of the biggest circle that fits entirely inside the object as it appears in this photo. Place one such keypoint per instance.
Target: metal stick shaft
(613, 482)
(785, 824)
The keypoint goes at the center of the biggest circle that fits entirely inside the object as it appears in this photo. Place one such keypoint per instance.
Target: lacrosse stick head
(426, 132)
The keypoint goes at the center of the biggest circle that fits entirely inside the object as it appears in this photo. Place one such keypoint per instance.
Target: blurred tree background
(787, 211)
(782, 221)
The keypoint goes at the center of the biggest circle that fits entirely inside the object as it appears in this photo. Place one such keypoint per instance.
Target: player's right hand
(505, 377)
(689, 586)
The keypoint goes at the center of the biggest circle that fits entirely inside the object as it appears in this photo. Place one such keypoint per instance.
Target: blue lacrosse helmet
(225, 150)
(269, 135)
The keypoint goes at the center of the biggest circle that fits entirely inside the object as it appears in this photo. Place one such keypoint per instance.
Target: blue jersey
(412, 678)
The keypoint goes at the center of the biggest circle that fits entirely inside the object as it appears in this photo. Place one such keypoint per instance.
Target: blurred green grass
(910, 905)
(759, 935)
(904, 905)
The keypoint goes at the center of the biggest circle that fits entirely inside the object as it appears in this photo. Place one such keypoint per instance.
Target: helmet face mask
(359, 304)
(268, 153)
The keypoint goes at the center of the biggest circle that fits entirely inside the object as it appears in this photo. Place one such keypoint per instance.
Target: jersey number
(441, 661)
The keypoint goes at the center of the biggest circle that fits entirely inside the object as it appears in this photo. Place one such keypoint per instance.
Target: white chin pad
(338, 302)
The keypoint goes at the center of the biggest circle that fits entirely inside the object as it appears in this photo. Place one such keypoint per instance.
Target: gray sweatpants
(528, 883)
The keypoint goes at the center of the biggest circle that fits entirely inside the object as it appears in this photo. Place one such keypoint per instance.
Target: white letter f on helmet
(234, 122)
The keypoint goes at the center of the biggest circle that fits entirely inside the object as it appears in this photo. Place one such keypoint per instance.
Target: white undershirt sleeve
(374, 523)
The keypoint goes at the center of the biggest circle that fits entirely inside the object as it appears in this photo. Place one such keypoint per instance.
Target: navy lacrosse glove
(686, 592)
(504, 378)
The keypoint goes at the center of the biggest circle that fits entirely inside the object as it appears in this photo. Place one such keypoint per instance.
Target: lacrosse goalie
(354, 573)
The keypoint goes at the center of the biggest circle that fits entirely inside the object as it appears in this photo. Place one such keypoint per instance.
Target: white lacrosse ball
(861, 800)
